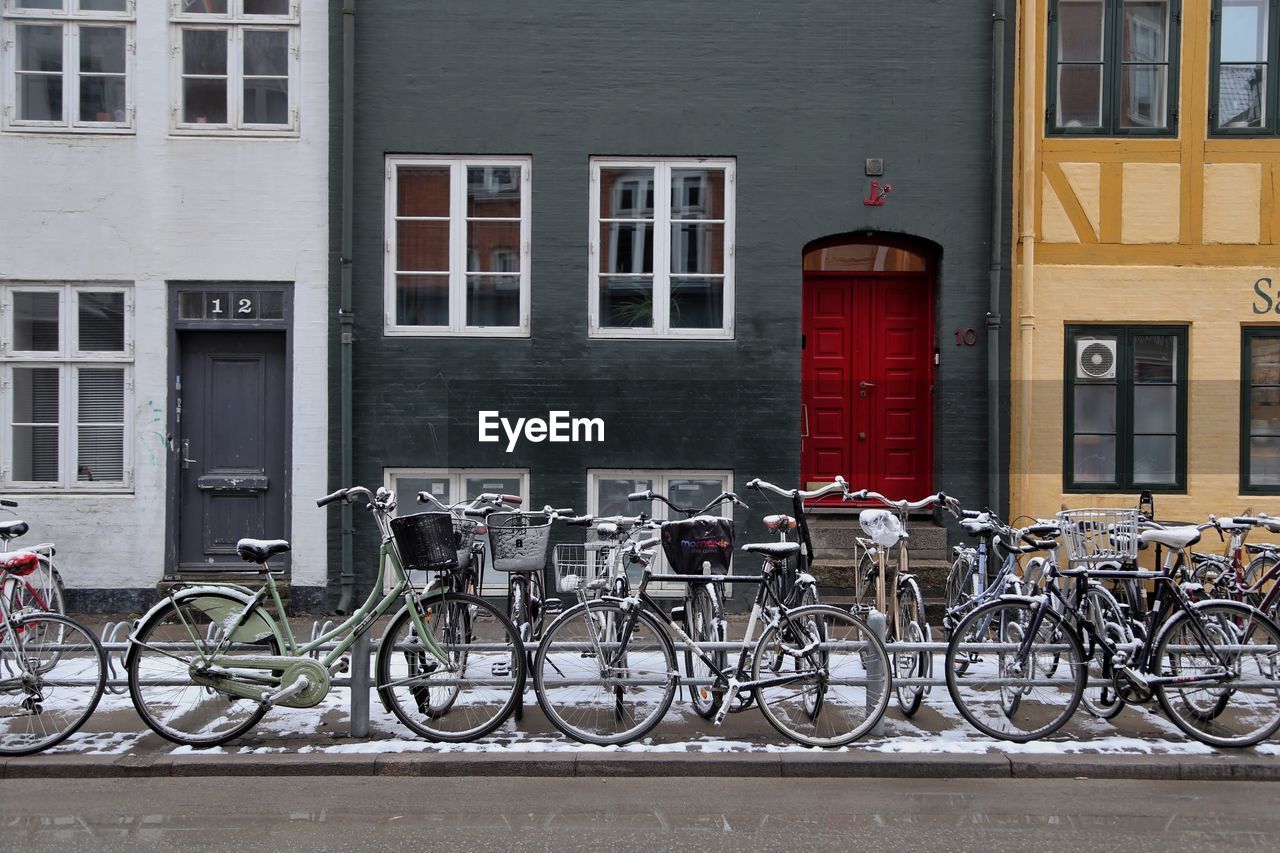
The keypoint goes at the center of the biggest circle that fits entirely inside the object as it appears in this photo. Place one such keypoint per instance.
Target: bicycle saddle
(260, 550)
(13, 529)
(19, 562)
(1172, 537)
(773, 550)
(779, 522)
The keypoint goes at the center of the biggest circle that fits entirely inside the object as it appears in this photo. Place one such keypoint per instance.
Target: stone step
(836, 575)
(834, 538)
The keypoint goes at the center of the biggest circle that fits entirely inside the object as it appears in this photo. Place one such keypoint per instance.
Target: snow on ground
(937, 728)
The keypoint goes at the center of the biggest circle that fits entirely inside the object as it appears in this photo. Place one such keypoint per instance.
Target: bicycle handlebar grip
(580, 521)
(511, 499)
(970, 513)
(422, 497)
(339, 495)
(754, 484)
(7, 502)
(646, 495)
(563, 512)
(1244, 519)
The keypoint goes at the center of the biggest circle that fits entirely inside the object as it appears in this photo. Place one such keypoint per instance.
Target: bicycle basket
(519, 541)
(1100, 535)
(426, 541)
(692, 542)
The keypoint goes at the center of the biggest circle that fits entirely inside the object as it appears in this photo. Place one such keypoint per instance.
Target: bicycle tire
(865, 577)
(1242, 715)
(517, 609)
(60, 687)
(1047, 707)
(212, 717)
(838, 694)
(1104, 701)
(913, 627)
(470, 696)
(704, 625)
(580, 698)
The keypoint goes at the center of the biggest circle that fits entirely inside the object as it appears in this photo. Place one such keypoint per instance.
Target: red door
(867, 376)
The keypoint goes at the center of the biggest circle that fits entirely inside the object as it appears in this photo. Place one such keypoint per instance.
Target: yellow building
(1146, 209)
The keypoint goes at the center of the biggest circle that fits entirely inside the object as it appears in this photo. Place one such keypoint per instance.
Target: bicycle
(897, 593)
(471, 532)
(520, 541)
(42, 588)
(207, 662)
(1032, 671)
(53, 670)
(699, 546)
(819, 675)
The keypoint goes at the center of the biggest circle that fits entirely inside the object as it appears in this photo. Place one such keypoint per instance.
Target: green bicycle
(207, 662)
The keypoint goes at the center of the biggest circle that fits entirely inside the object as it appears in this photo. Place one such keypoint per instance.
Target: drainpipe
(1027, 237)
(997, 260)
(346, 319)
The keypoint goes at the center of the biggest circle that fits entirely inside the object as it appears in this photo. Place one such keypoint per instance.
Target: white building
(163, 285)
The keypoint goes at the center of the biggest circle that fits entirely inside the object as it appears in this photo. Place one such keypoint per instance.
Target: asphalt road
(497, 814)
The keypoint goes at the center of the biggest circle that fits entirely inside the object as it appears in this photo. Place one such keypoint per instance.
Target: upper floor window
(661, 248)
(457, 246)
(1113, 67)
(1243, 86)
(1126, 408)
(66, 372)
(236, 66)
(68, 65)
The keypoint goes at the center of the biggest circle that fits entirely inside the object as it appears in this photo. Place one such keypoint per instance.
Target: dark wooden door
(867, 374)
(233, 439)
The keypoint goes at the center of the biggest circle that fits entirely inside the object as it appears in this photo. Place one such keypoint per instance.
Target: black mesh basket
(426, 541)
(693, 542)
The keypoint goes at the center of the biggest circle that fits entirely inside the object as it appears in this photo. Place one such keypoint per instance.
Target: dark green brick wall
(800, 93)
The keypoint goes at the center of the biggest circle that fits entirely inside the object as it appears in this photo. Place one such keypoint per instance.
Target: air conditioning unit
(1095, 359)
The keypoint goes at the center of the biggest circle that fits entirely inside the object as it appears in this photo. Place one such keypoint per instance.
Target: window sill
(63, 130)
(629, 335)
(220, 131)
(475, 332)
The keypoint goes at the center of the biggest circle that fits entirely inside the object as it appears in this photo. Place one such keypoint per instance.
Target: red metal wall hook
(877, 194)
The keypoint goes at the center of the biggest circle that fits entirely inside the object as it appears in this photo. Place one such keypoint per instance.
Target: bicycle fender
(212, 601)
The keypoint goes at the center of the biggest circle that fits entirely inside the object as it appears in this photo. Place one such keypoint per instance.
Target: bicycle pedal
(500, 670)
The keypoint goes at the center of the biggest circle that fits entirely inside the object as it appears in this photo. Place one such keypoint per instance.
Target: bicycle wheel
(865, 577)
(837, 678)
(958, 595)
(518, 607)
(1257, 569)
(704, 626)
(1244, 709)
(1101, 699)
(52, 674)
(592, 691)
(163, 662)
(1004, 695)
(40, 591)
(912, 628)
(468, 693)
(537, 605)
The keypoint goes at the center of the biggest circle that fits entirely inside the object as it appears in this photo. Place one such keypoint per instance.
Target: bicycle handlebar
(838, 486)
(648, 495)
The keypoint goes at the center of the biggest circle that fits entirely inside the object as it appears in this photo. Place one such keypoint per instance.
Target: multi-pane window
(449, 486)
(1260, 411)
(1242, 88)
(457, 246)
(1113, 66)
(1126, 408)
(67, 381)
(607, 492)
(662, 248)
(237, 65)
(67, 65)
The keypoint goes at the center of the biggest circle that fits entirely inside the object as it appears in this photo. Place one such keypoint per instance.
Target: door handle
(804, 410)
(866, 384)
(186, 452)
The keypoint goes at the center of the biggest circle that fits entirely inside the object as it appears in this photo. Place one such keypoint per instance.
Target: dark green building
(753, 239)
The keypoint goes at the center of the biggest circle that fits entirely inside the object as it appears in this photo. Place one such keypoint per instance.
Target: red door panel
(867, 373)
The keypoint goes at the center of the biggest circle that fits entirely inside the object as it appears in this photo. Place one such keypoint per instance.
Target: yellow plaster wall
(1232, 199)
(1086, 182)
(1143, 294)
(1150, 203)
(1055, 225)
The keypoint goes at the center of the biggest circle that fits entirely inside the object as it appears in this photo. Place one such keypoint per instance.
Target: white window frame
(71, 20)
(494, 581)
(235, 23)
(457, 246)
(662, 247)
(68, 359)
(661, 479)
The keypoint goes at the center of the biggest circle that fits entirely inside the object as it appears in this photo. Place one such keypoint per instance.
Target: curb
(1218, 767)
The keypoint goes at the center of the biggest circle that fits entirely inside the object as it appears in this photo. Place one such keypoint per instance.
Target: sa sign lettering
(1262, 287)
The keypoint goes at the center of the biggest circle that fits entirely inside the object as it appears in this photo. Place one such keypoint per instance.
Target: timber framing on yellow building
(1146, 353)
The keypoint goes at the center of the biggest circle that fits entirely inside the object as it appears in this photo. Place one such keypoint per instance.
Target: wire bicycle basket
(519, 541)
(1100, 535)
(427, 541)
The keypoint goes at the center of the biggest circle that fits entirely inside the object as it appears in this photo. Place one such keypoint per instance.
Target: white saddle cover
(1172, 537)
(882, 526)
